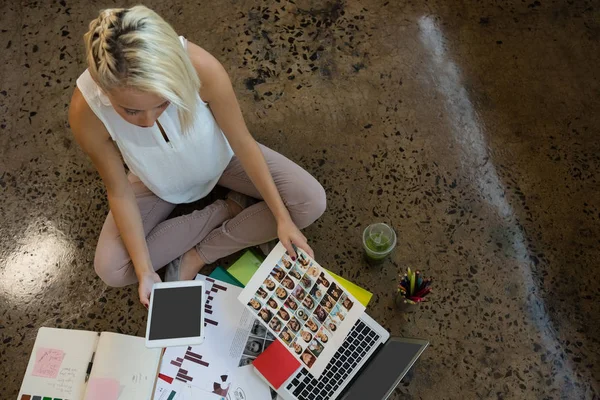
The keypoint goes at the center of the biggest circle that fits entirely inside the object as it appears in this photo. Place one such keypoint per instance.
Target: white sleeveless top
(183, 170)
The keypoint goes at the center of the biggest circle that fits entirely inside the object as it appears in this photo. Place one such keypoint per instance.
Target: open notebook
(123, 368)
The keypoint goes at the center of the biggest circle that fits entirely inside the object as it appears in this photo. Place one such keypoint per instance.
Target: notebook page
(58, 364)
(123, 369)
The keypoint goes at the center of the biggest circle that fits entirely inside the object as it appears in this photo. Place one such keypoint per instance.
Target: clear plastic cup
(379, 240)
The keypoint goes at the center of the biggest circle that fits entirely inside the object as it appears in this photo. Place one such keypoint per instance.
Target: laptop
(368, 365)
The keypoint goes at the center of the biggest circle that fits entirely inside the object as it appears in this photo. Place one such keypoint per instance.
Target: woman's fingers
(302, 243)
(290, 249)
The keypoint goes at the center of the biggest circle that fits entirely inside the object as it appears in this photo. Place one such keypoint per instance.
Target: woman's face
(281, 293)
(255, 304)
(137, 107)
(270, 285)
(307, 358)
(297, 348)
(287, 282)
(306, 336)
(275, 324)
(254, 347)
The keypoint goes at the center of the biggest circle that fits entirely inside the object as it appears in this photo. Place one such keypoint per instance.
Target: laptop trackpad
(384, 372)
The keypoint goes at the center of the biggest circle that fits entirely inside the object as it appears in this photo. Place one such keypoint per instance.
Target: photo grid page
(305, 308)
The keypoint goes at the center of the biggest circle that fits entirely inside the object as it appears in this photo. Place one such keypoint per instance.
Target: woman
(286, 336)
(272, 303)
(294, 325)
(327, 303)
(310, 324)
(297, 348)
(167, 107)
(291, 304)
(283, 314)
(278, 274)
(321, 314)
(295, 274)
(308, 303)
(299, 293)
(287, 283)
(254, 304)
(306, 282)
(275, 324)
(306, 336)
(265, 314)
(308, 359)
(269, 284)
(281, 293)
(322, 336)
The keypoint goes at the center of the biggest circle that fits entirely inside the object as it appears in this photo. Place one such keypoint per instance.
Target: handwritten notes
(47, 362)
(102, 389)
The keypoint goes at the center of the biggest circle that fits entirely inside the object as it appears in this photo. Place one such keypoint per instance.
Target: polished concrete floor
(470, 126)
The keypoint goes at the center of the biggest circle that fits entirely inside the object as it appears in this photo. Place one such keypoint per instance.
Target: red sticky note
(102, 389)
(276, 364)
(47, 362)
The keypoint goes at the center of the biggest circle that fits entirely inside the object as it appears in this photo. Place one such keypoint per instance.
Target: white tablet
(176, 314)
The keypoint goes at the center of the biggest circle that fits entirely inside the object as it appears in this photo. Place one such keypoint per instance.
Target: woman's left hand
(289, 235)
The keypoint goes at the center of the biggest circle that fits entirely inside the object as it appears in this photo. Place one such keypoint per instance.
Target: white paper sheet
(127, 361)
(208, 371)
(303, 306)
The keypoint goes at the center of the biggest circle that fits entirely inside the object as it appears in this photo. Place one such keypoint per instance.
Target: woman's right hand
(146, 281)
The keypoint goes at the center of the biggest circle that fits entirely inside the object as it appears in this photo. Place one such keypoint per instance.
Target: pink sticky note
(102, 389)
(47, 362)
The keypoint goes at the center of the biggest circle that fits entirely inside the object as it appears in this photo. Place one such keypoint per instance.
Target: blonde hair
(136, 48)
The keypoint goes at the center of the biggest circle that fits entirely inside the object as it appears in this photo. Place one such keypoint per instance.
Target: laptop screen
(384, 372)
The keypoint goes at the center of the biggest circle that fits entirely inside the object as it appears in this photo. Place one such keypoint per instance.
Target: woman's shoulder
(213, 77)
(83, 121)
(202, 60)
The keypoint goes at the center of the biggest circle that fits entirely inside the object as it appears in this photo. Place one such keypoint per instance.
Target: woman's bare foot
(191, 263)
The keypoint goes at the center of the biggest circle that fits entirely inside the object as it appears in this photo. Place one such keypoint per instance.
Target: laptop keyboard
(359, 342)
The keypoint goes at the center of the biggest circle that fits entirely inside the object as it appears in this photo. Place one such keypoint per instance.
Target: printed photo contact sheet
(302, 306)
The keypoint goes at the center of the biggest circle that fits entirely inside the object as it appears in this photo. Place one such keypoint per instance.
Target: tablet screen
(176, 313)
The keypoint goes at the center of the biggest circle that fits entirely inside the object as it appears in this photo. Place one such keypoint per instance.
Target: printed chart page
(124, 369)
(303, 306)
(58, 364)
(208, 371)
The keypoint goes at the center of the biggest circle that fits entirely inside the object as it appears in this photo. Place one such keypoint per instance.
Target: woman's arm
(218, 92)
(95, 141)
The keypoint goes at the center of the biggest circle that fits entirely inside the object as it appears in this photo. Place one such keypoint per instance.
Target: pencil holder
(411, 291)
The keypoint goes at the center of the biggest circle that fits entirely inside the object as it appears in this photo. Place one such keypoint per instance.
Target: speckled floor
(470, 126)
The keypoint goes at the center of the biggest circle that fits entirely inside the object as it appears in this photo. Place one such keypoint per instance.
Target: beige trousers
(210, 230)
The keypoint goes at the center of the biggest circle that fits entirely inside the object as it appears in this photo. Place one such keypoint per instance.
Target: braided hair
(136, 48)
